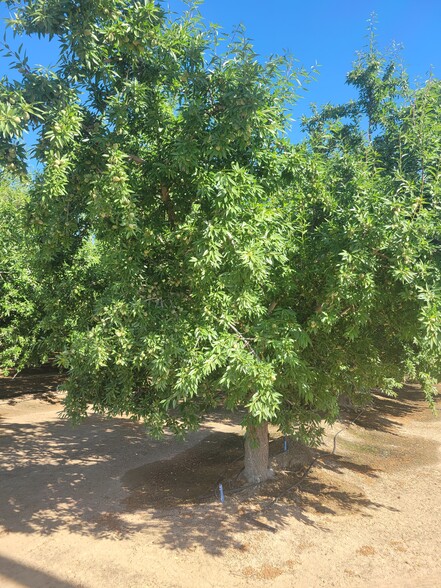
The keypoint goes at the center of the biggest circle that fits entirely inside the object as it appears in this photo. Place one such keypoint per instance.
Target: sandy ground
(101, 505)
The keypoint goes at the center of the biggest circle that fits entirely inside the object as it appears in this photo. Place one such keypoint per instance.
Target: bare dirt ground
(102, 505)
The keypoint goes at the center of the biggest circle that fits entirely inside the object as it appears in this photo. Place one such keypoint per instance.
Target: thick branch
(136, 159)
(165, 197)
(272, 306)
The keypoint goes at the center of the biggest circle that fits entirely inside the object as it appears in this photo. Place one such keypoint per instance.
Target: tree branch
(136, 159)
(245, 341)
(165, 197)
(272, 306)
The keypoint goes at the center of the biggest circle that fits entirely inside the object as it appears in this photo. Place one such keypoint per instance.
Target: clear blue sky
(324, 32)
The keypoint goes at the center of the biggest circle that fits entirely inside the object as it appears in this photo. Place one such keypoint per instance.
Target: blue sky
(324, 32)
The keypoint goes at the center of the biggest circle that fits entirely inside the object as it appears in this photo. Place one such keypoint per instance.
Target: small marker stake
(221, 493)
(285, 444)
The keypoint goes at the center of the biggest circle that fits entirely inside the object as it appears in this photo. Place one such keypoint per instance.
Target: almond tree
(19, 314)
(190, 256)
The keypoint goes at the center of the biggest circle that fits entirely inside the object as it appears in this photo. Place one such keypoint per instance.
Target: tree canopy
(190, 256)
(19, 290)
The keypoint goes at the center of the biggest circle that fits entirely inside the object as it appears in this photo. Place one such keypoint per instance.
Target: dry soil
(102, 505)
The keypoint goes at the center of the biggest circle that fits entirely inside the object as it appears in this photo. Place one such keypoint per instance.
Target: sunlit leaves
(189, 255)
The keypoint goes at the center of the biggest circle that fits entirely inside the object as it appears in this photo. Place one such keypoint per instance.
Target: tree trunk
(257, 454)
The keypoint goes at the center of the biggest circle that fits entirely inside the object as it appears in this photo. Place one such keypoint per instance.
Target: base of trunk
(257, 454)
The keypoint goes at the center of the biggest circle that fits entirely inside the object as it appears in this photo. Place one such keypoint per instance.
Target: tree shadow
(51, 397)
(269, 508)
(39, 382)
(57, 476)
(25, 575)
(386, 414)
(340, 465)
(162, 492)
(217, 528)
(107, 478)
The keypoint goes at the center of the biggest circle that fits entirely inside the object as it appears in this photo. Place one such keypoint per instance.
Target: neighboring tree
(381, 158)
(18, 286)
(191, 257)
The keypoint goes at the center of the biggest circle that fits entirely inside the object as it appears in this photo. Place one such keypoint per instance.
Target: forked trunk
(257, 454)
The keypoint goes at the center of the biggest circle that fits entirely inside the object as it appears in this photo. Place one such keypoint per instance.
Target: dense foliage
(18, 287)
(190, 256)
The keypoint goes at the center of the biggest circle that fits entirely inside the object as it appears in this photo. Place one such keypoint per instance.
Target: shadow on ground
(39, 382)
(187, 524)
(31, 577)
(55, 476)
(386, 414)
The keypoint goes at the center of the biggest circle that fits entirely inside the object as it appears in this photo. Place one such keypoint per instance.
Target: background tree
(377, 151)
(190, 256)
(18, 287)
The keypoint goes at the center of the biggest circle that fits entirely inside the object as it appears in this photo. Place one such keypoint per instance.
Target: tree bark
(165, 197)
(257, 454)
